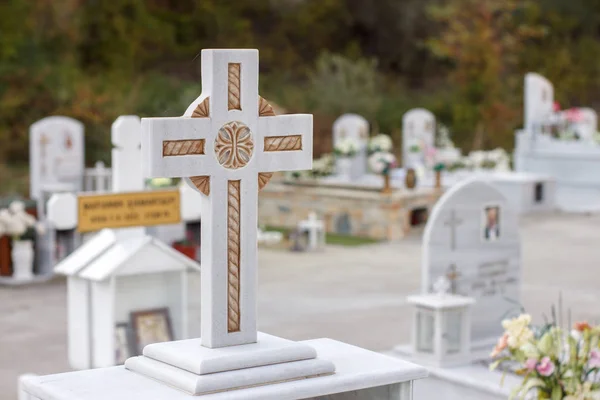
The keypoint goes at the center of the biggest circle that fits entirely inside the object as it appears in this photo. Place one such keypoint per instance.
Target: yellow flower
(518, 331)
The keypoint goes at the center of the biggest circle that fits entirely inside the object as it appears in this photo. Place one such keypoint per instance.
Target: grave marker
(56, 155)
(479, 267)
(355, 127)
(228, 144)
(539, 101)
(418, 129)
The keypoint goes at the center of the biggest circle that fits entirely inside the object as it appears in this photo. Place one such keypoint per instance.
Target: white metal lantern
(441, 329)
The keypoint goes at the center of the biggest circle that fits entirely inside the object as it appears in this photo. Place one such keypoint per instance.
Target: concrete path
(356, 295)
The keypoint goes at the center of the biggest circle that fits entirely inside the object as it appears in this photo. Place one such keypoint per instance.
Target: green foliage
(462, 59)
(340, 85)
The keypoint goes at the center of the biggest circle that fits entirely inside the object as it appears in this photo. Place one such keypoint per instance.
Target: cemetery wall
(351, 212)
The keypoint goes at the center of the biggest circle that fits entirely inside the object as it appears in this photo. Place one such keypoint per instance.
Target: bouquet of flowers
(380, 143)
(555, 364)
(15, 222)
(382, 163)
(346, 147)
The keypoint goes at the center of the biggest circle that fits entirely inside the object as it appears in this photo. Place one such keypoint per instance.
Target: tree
(483, 39)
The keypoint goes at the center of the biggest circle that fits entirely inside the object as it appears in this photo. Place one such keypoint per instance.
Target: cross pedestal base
(188, 366)
(359, 375)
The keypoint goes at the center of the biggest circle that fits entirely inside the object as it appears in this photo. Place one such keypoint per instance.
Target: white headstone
(56, 154)
(126, 135)
(355, 127)
(539, 100)
(480, 253)
(418, 129)
(228, 143)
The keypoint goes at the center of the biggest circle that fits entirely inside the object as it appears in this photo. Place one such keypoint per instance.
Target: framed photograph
(122, 343)
(151, 326)
(491, 229)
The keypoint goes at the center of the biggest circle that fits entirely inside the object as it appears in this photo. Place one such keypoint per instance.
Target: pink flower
(545, 367)
(573, 115)
(500, 346)
(530, 364)
(595, 359)
(556, 106)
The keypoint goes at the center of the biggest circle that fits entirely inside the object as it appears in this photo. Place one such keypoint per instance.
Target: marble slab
(356, 369)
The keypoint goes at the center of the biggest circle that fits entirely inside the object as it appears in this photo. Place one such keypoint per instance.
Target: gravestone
(355, 127)
(472, 239)
(56, 156)
(418, 130)
(539, 101)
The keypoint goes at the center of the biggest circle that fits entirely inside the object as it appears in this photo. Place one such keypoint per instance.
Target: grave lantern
(441, 327)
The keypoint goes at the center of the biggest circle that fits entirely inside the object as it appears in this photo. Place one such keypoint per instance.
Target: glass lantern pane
(453, 331)
(425, 332)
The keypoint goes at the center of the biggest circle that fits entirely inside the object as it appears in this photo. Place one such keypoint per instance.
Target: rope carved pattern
(234, 145)
(173, 148)
(233, 256)
(283, 143)
(234, 87)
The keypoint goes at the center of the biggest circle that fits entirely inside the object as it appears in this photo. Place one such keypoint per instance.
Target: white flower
(17, 207)
(381, 142)
(16, 227)
(5, 216)
(346, 147)
(381, 162)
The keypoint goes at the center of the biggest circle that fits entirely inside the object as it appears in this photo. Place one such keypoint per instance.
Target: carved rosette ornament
(234, 145)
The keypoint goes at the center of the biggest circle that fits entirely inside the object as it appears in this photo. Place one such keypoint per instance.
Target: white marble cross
(316, 230)
(228, 143)
(453, 222)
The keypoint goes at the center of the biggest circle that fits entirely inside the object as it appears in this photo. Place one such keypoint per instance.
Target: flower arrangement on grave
(380, 143)
(346, 148)
(555, 364)
(322, 166)
(21, 227)
(382, 163)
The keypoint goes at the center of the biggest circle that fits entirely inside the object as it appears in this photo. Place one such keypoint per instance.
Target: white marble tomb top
(356, 369)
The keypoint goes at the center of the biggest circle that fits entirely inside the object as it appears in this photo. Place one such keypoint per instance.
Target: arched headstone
(472, 239)
(356, 127)
(418, 129)
(56, 154)
(539, 100)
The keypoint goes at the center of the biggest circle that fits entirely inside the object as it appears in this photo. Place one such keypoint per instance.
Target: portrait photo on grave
(123, 345)
(491, 223)
(151, 326)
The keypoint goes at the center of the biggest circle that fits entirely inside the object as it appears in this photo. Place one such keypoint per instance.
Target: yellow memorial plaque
(124, 210)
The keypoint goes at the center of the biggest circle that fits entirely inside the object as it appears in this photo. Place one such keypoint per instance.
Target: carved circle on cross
(234, 145)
